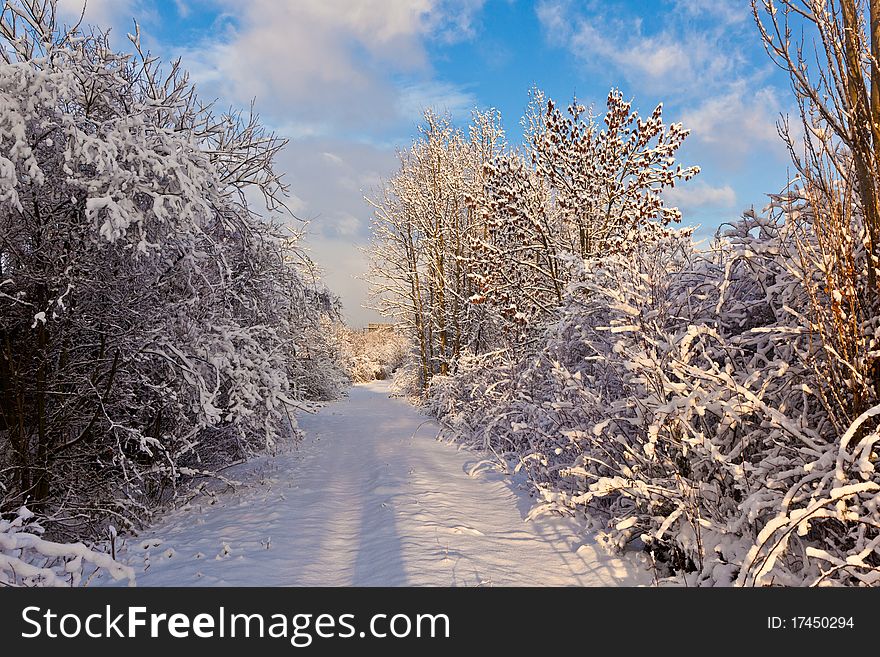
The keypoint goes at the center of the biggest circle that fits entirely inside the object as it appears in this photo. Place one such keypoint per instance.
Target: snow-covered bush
(684, 397)
(318, 371)
(375, 355)
(406, 381)
(152, 326)
(26, 559)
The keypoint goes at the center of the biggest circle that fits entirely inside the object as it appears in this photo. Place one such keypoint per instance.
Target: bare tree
(837, 86)
(836, 155)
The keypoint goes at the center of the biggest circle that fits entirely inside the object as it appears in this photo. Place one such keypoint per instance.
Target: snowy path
(371, 498)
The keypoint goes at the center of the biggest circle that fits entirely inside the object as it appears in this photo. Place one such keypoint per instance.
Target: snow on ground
(371, 498)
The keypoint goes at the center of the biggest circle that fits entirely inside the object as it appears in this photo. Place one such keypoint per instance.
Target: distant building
(373, 327)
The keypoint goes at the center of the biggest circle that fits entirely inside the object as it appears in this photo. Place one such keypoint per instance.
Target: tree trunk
(862, 125)
(875, 78)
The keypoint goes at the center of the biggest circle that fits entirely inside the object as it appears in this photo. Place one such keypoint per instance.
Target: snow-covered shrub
(319, 370)
(26, 559)
(683, 396)
(478, 399)
(406, 381)
(375, 355)
(153, 327)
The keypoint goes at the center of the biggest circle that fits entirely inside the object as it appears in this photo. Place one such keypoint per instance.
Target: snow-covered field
(371, 498)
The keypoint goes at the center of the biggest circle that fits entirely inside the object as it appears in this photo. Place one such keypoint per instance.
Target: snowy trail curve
(371, 498)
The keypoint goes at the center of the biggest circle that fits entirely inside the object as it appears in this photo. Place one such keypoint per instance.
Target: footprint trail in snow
(371, 498)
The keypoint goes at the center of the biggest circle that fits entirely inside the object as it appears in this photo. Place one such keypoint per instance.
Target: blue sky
(346, 81)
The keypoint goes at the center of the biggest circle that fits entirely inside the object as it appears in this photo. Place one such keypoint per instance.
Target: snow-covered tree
(607, 177)
(518, 258)
(149, 318)
(422, 230)
(584, 188)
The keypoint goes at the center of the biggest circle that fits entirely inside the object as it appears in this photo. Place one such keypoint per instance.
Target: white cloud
(696, 194)
(737, 123)
(323, 65)
(297, 205)
(332, 158)
(455, 20)
(330, 178)
(344, 266)
(439, 96)
(729, 12)
(102, 13)
(686, 61)
(183, 9)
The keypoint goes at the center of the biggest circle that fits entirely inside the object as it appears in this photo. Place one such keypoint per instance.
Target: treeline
(374, 355)
(471, 230)
(715, 407)
(153, 327)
